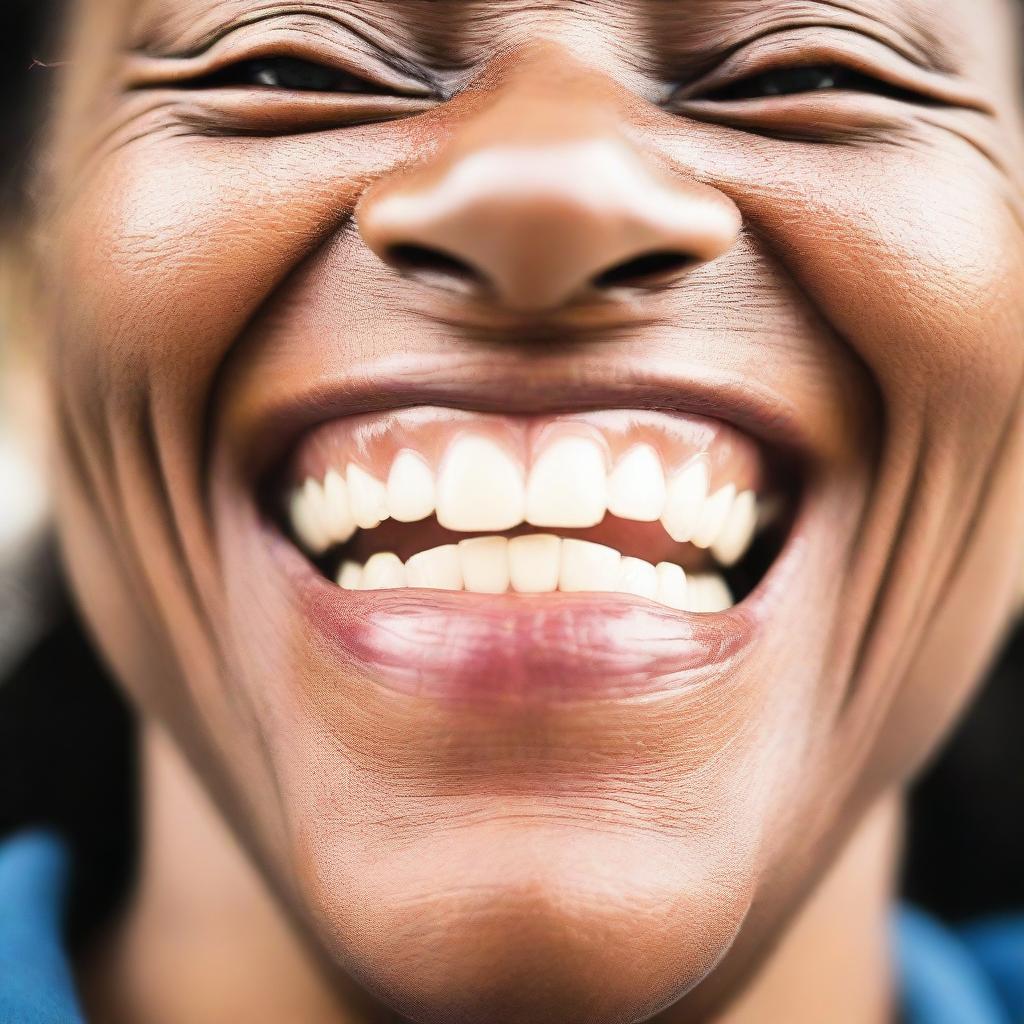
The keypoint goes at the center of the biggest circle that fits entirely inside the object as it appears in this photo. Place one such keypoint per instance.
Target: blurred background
(25, 36)
(66, 740)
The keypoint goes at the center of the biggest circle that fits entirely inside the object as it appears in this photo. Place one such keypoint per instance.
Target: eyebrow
(162, 32)
(917, 29)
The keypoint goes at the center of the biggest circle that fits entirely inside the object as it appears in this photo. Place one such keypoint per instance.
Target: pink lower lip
(552, 647)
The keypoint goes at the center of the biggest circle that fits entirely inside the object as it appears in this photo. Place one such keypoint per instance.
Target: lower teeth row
(539, 564)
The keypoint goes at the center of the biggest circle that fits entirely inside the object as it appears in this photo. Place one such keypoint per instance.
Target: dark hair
(25, 26)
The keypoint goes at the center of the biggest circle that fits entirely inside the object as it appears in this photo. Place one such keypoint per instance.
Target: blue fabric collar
(36, 986)
(974, 975)
(971, 977)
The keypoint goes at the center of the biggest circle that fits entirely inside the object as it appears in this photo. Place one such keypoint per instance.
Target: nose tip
(537, 227)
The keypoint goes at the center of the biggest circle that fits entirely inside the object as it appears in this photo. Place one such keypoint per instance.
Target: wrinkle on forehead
(929, 27)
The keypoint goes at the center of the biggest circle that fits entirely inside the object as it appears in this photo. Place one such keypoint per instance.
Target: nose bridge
(541, 197)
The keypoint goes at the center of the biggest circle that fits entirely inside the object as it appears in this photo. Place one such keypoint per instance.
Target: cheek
(172, 245)
(918, 261)
(919, 264)
(158, 264)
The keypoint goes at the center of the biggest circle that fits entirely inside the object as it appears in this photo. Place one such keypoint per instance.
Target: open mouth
(686, 512)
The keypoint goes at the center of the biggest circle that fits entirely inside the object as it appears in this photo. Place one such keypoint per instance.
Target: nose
(543, 200)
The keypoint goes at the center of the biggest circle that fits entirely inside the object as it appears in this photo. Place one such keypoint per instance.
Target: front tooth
(351, 576)
(307, 517)
(588, 567)
(638, 577)
(685, 501)
(480, 487)
(384, 571)
(535, 563)
(672, 585)
(485, 565)
(410, 488)
(717, 595)
(568, 485)
(712, 518)
(338, 518)
(436, 569)
(709, 593)
(737, 533)
(695, 593)
(368, 496)
(636, 488)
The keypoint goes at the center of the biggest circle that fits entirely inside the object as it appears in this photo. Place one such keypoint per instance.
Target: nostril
(425, 261)
(647, 269)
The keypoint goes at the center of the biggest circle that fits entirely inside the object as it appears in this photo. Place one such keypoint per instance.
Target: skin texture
(854, 279)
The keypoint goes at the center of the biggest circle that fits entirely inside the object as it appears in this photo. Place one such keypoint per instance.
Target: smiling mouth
(687, 513)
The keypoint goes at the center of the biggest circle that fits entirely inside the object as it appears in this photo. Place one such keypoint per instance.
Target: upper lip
(516, 384)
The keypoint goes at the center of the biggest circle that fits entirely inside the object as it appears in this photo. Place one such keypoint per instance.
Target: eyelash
(798, 80)
(292, 74)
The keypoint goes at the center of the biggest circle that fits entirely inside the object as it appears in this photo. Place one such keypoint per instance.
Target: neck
(204, 941)
(834, 961)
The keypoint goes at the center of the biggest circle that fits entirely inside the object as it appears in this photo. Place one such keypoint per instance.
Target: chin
(543, 922)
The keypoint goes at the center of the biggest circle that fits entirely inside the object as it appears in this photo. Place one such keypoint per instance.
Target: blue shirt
(970, 976)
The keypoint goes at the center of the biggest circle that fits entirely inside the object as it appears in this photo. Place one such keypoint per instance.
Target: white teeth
(539, 564)
(684, 502)
(338, 520)
(736, 535)
(368, 496)
(709, 593)
(535, 563)
(568, 485)
(588, 567)
(480, 487)
(437, 569)
(485, 565)
(672, 585)
(384, 571)
(636, 488)
(713, 516)
(637, 577)
(718, 596)
(307, 518)
(351, 576)
(410, 488)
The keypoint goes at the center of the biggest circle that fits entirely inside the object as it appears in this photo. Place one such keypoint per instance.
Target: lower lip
(549, 648)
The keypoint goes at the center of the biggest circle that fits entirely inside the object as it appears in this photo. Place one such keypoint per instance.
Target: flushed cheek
(168, 250)
(917, 262)
(171, 246)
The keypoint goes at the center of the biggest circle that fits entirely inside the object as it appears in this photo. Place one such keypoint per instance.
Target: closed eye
(792, 81)
(291, 74)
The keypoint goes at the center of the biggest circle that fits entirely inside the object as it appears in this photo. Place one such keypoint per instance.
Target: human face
(526, 244)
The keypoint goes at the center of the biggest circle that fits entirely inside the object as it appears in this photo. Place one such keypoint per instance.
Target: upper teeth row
(481, 488)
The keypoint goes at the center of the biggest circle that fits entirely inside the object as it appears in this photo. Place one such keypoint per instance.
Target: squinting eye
(293, 75)
(790, 81)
